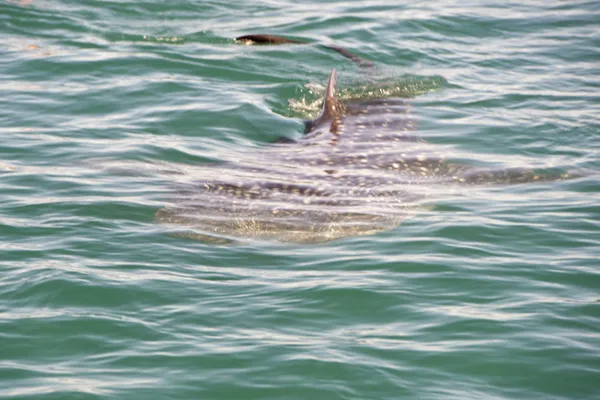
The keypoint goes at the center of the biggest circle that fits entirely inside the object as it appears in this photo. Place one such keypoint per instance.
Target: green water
(492, 293)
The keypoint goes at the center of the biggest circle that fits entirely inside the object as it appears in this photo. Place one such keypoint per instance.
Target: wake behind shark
(359, 169)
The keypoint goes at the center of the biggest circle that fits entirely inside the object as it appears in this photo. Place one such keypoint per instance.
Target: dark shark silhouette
(359, 169)
(273, 39)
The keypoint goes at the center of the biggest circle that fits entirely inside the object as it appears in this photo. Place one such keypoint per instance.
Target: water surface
(493, 293)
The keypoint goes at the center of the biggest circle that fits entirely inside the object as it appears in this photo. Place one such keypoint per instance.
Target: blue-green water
(494, 293)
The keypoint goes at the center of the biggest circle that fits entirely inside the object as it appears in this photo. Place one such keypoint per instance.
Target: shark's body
(359, 169)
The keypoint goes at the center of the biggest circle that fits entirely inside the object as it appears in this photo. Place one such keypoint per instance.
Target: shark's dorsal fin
(332, 110)
(332, 107)
(330, 102)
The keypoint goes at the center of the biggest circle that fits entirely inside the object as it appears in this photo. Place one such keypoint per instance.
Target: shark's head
(331, 112)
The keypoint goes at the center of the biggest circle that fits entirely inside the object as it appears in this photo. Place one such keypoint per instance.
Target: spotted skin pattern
(359, 169)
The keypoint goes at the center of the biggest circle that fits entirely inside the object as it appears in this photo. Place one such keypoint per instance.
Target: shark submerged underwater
(359, 169)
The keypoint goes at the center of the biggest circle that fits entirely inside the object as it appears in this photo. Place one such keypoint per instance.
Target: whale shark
(359, 168)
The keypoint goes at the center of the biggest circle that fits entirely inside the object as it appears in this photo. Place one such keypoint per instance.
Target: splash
(309, 103)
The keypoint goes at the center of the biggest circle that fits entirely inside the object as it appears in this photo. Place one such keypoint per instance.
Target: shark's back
(359, 169)
(337, 180)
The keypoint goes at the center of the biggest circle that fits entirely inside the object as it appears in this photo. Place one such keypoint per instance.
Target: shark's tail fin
(265, 39)
(274, 39)
(359, 60)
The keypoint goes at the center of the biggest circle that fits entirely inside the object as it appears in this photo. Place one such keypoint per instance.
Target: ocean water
(491, 293)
